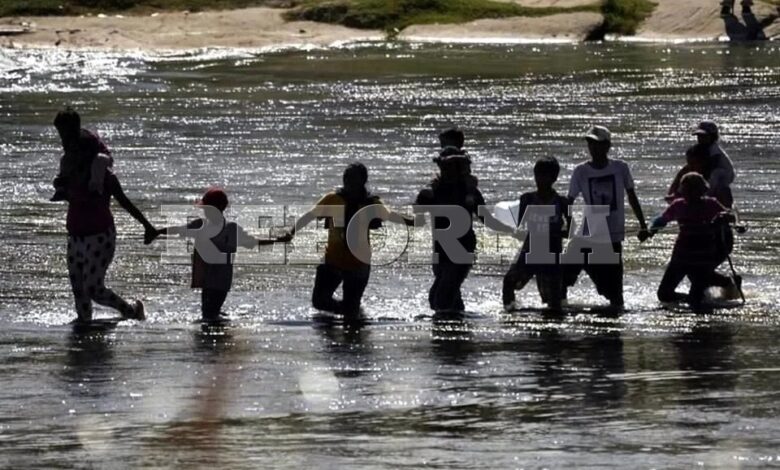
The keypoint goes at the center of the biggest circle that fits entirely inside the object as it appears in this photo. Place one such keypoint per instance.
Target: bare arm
(674, 187)
(494, 224)
(567, 218)
(149, 231)
(633, 201)
(399, 218)
(304, 220)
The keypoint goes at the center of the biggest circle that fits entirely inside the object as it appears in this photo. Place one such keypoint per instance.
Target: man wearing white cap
(722, 174)
(603, 182)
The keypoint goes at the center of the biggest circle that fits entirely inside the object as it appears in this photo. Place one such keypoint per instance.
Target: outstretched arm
(674, 188)
(303, 221)
(494, 224)
(399, 218)
(149, 231)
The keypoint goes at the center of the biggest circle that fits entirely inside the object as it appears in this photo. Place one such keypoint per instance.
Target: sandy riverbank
(246, 28)
(265, 27)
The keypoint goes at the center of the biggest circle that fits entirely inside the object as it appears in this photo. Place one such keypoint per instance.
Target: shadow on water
(212, 339)
(586, 368)
(89, 359)
(452, 340)
(751, 30)
(347, 352)
(706, 353)
(197, 434)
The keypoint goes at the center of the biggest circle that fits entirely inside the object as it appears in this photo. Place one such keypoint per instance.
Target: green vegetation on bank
(390, 15)
(625, 16)
(620, 16)
(79, 7)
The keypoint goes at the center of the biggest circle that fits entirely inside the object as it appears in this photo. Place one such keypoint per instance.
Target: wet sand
(265, 28)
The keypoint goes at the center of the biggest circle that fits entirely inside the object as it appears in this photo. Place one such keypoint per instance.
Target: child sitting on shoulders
(79, 145)
(697, 159)
(699, 248)
(549, 278)
(212, 270)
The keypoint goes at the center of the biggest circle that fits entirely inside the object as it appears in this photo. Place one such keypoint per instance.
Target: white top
(604, 187)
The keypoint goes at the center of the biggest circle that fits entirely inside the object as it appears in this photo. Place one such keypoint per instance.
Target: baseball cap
(706, 128)
(599, 134)
(214, 197)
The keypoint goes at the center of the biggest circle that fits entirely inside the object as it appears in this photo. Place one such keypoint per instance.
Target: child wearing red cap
(216, 240)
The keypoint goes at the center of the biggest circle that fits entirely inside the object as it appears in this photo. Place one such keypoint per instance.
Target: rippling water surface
(655, 388)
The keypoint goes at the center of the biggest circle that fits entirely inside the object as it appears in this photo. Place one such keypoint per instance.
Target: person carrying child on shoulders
(720, 169)
(699, 248)
(79, 145)
(549, 280)
(709, 160)
(453, 188)
(216, 242)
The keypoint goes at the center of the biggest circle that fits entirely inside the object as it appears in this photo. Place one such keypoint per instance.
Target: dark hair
(547, 166)
(68, 119)
(452, 137)
(698, 151)
(701, 154)
(356, 170)
(693, 184)
(355, 199)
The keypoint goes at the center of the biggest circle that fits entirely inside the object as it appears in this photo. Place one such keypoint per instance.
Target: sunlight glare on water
(669, 389)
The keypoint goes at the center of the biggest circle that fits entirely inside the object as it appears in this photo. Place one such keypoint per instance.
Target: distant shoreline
(262, 27)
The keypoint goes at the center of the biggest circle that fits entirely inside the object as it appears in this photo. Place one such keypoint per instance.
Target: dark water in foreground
(651, 389)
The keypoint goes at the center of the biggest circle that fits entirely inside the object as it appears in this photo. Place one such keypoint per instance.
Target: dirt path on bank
(265, 27)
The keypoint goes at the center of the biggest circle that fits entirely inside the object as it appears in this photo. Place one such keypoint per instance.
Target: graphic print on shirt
(603, 191)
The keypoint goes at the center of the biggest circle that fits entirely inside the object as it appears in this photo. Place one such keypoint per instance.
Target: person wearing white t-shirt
(603, 182)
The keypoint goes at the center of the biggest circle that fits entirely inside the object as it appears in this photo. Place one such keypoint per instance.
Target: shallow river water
(654, 388)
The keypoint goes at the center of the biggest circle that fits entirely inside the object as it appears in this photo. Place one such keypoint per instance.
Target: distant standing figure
(721, 172)
(90, 225)
(727, 7)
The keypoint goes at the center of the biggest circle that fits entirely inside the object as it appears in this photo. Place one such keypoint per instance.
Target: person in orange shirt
(347, 263)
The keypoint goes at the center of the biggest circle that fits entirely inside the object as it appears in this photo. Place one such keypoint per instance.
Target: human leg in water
(354, 285)
(88, 260)
(326, 281)
(211, 303)
(608, 278)
(673, 275)
(515, 278)
(446, 298)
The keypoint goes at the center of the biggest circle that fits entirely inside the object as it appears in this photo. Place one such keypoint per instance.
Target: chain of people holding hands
(699, 200)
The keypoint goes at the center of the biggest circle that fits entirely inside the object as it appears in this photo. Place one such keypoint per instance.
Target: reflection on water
(667, 389)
